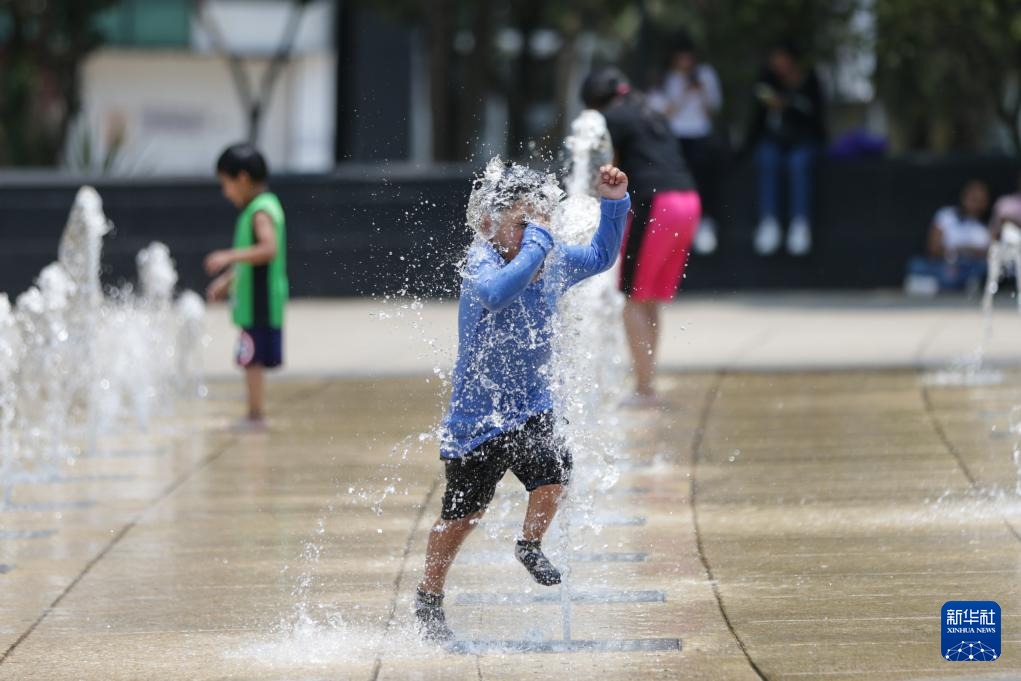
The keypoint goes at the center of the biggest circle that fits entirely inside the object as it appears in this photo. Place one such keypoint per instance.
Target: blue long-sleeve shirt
(505, 328)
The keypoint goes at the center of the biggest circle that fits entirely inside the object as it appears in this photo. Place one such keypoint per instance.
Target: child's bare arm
(264, 249)
(219, 287)
(498, 286)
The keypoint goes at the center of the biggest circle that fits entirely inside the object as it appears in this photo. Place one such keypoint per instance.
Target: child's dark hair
(243, 157)
(602, 86)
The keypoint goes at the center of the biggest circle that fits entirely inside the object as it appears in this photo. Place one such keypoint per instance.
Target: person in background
(1006, 209)
(253, 273)
(689, 97)
(666, 214)
(787, 130)
(957, 243)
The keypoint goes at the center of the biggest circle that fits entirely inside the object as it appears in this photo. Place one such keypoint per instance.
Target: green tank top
(260, 291)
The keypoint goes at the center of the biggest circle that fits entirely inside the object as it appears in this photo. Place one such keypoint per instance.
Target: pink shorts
(653, 258)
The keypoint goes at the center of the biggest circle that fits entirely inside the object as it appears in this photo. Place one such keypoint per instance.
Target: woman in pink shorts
(665, 217)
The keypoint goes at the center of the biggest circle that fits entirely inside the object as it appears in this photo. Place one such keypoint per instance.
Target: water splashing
(69, 355)
(590, 351)
(1015, 455)
(1003, 254)
(156, 273)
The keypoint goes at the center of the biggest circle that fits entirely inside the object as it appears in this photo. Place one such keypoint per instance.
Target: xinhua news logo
(971, 631)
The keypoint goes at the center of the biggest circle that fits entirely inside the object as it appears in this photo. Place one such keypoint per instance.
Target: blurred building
(357, 86)
(160, 83)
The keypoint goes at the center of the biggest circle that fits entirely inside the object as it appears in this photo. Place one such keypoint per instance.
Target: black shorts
(260, 346)
(533, 452)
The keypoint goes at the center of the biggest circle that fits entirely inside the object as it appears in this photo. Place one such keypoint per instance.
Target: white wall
(255, 26)
(180, 109)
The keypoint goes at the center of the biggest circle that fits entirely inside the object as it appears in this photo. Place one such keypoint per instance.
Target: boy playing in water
(501, 409)
(253, 272)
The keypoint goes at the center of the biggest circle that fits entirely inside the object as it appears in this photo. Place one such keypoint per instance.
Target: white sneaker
(767, 236)
(799, 237)
(921, 285)
(705, 237)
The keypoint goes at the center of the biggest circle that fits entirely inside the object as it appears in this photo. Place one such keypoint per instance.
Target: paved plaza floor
(793, 518)
(768, 332)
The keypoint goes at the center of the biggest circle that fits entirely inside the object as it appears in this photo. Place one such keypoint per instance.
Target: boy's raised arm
(581, 262)
(496, 286)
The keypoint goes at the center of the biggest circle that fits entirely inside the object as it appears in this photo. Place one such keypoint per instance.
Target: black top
(646, 149)
(801, 119)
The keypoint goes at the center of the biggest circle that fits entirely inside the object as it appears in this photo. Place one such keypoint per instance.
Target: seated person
(957, 245)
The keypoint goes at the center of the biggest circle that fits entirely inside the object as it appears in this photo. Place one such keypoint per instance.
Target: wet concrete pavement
(768, 526)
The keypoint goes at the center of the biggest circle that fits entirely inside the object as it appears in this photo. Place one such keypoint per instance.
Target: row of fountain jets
(76, 363)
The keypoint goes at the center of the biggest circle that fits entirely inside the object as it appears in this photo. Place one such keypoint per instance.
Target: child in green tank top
(253, 273)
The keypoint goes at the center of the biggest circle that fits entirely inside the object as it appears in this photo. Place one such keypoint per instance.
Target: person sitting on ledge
(957, 244)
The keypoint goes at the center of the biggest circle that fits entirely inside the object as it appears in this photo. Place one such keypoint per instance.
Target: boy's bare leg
(445, 541)
(542, 507)
(255, 382)
(641, 326)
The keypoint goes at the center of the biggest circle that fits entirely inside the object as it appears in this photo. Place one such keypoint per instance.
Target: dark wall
(869, 217)
(373, 86)
(352, 233)
(372, 230)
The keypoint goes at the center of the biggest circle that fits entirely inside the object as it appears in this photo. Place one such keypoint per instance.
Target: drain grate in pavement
(635, 645)
(8, 535)
(48, 506)
(607, 520)
(600, 596)
(75, 479)
(125, 453)
(507, 558)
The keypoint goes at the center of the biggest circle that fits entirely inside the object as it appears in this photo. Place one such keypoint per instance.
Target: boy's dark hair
(243, 157)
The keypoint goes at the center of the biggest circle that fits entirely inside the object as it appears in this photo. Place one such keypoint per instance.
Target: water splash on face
(503, 186)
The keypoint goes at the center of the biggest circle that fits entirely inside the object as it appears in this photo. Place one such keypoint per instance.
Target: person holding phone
(690, 96)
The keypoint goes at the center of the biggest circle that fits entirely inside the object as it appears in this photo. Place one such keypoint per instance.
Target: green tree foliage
(947, 68)
(735, 34)
(462, 79)
(948, 71)
(42, 45)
